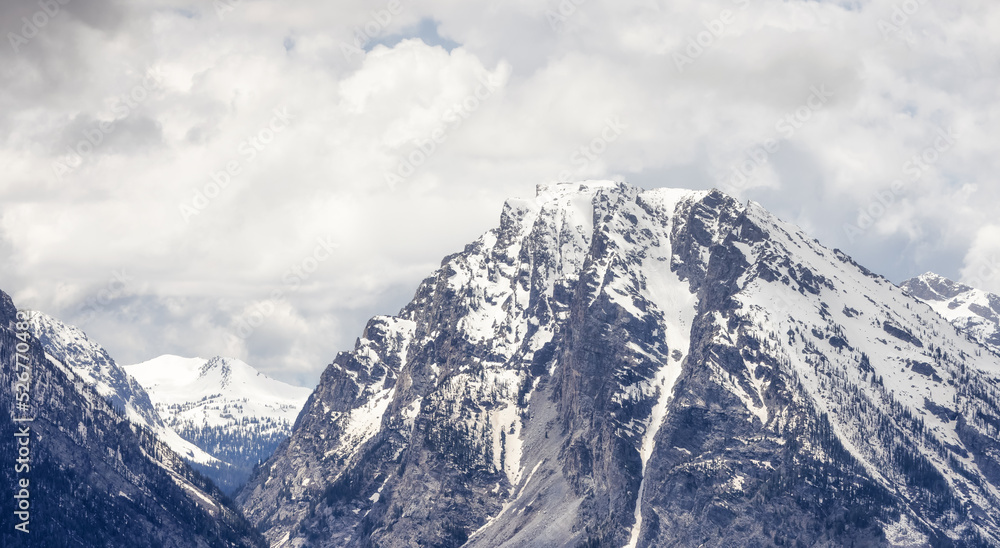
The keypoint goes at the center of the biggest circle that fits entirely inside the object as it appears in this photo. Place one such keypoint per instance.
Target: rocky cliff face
(619, 367)
(91, 476)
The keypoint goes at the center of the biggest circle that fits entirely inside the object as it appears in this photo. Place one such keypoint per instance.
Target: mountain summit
(613, 366)
(973, 311)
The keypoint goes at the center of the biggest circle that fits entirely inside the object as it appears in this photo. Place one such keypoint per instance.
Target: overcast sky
(166, 166)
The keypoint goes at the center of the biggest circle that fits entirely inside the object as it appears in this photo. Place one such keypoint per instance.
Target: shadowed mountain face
(973, 311)
(93, 477)
(619, 367)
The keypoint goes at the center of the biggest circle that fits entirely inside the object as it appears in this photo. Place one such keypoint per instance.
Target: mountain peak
(934, 287)
(616, 366)
(174, 377)
(974, 311)
(71, 349)
(545, 192)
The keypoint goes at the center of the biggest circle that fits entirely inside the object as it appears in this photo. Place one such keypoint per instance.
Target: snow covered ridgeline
(223, 406)
(216, 391)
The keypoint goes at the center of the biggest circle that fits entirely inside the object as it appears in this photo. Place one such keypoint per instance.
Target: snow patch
(678, 305)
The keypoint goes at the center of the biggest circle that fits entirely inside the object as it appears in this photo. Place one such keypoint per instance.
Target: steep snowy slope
(69, 347)
(85, 474)
(973, 311)
(224, 406)
(619, 367)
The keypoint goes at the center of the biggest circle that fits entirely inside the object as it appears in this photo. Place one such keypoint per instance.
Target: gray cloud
(206, 139)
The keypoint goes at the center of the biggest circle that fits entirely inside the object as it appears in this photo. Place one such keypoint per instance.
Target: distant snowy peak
(224, 406)
(217, 391)
(974, 311)
(225, 372)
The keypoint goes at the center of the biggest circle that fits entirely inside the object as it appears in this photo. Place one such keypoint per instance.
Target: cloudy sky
(256, 178)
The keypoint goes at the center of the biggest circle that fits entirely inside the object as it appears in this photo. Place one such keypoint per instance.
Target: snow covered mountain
(69, 348)
(85, 465)
(224, 406)
(614, 366)
(971, 310)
